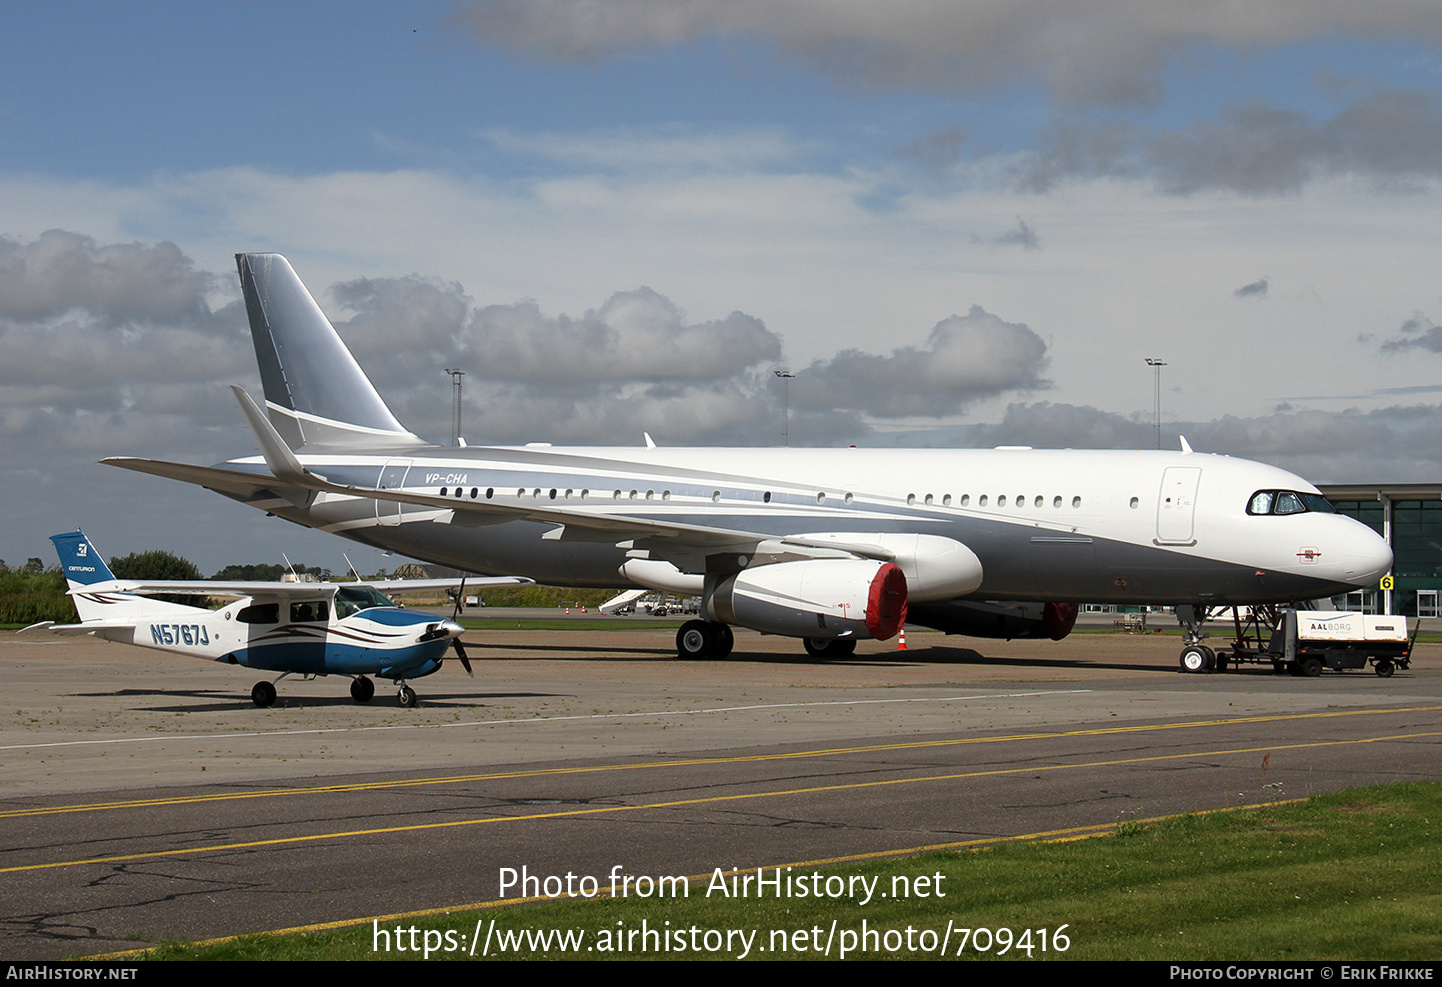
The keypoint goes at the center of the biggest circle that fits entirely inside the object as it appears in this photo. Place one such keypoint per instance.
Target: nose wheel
(406, 697)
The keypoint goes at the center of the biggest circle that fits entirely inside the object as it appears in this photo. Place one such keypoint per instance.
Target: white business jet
(828, 545)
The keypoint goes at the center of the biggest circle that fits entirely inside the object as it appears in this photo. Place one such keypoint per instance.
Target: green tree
(158, 564)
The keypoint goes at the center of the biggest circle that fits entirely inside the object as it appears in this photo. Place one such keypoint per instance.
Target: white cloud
(1085, 52)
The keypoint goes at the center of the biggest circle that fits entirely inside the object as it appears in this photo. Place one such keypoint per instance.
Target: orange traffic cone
(901, 639)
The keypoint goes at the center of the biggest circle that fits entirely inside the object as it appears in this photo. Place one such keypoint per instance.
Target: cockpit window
(353, 599)
(1288, 502)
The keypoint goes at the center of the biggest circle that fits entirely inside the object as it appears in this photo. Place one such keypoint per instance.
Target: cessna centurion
(299, 628)
(827, 545)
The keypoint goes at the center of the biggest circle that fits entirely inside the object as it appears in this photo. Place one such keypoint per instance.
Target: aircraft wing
(470, 582)
(282, 590)
(685, 544)
(664, 539)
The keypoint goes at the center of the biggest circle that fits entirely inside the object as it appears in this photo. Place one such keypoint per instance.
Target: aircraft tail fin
(315, 392)
(79, 560)
(102, 609)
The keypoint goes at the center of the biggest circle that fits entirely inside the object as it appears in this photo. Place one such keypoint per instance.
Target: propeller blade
(461, 654)
(460, 599)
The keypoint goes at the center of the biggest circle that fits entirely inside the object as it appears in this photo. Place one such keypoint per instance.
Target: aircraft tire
(362, 689)
(1196, 658)
(829, 647)
(406, 697)
(1385, 668)
(696, 639)
(725, 640)
(263, 694)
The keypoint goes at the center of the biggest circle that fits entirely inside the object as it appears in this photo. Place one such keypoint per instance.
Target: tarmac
(146, 798)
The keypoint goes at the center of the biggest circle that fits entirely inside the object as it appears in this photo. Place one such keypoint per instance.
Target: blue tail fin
(79, 560)
(315, 392)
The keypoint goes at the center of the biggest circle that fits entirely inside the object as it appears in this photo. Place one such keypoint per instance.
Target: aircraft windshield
(1288, 502)
(353, 599)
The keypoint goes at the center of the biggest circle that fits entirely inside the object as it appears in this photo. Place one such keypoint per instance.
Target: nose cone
(1365, 555)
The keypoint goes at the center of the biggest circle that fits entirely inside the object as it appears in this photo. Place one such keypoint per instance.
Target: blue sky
(959, 224)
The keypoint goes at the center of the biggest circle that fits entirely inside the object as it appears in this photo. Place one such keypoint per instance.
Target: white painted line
(541, 719)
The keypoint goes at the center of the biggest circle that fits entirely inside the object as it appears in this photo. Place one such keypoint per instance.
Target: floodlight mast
(786, 377)
(1156, 364)
(456, 376)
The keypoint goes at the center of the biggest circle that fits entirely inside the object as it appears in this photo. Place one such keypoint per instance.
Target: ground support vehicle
(1305, 642)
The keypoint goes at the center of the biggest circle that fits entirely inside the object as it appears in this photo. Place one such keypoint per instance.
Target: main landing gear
(704, 639)
(825, 648)
(362, 690)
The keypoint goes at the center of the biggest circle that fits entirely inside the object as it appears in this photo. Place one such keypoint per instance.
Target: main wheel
(1385, 667)
(406, 697)
(362, 689)
(696, 639)
(1196, 658)
(829, 647)
(725, 640)
(263, 694)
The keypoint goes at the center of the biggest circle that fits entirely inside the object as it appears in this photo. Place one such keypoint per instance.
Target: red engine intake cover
(1059, 619)
(886, 603)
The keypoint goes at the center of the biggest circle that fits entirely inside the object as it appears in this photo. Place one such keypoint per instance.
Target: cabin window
(715, 496)
(946, 500)
(965, 500)
(1040, 500)
(443, 491)
(928, 500)
(766, 497)
(309, 611)
(474, 493)
(848, 498)
(490, 492)
(1001, 501)
(1076, 502)
(259, 613)
(634, 495)
(821, 498)
(910, 499)
(585, 493)
(981, 501)
(1056, 502)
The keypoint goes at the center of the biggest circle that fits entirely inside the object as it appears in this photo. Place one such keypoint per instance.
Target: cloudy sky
(956, 223)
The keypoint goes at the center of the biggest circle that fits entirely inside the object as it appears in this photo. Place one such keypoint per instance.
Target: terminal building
(1409, 516)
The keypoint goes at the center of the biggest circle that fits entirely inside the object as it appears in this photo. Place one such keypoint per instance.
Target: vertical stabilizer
(79, 560)
(315, 392)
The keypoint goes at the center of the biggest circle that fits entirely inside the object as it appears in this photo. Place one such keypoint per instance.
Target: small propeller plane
(295, 628)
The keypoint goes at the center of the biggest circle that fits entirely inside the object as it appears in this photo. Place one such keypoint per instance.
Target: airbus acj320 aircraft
(826, 545)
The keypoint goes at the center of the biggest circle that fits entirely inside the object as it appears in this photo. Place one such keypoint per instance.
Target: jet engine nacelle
(812, 598)
(1002, 620)
(936, 568)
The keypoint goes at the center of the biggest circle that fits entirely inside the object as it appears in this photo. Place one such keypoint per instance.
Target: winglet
(278, 456)
(1186, 447)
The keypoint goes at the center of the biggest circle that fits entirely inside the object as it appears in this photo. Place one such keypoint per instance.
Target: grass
(1352, 875)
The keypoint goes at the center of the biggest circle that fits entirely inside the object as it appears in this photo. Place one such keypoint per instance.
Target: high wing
(285, 591)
